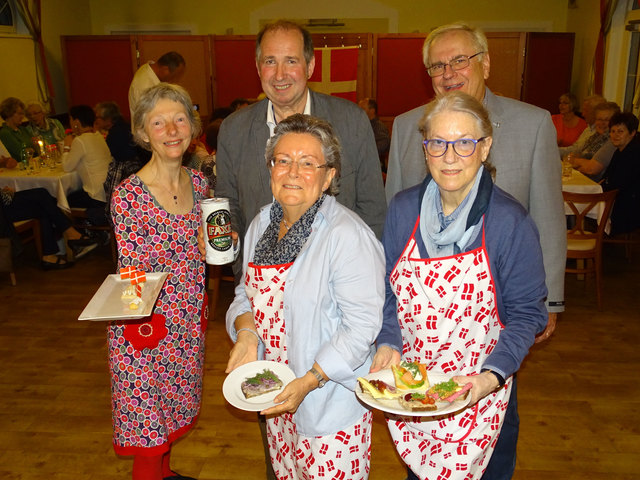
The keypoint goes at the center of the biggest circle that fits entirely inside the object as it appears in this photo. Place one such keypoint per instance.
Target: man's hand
(551, 326)
(384, 358)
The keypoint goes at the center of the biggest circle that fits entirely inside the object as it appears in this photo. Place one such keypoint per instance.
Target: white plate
(392, 406)
(106, 303)
(233, 392)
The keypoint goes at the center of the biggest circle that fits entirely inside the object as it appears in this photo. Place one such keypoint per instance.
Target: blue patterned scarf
(270, 251)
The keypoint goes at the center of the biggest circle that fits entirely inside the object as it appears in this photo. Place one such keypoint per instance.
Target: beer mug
(216, 227)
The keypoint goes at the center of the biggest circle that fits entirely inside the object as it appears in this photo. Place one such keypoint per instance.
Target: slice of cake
(132, 296)
(262, 383)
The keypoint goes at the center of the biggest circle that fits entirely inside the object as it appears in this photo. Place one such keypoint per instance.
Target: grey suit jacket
(243, 176)
(526, 158)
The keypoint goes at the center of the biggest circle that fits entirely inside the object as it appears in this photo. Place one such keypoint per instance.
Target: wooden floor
(579, 393)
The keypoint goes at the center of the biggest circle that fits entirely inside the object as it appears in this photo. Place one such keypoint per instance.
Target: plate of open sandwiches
(408, 389)
(254, 385)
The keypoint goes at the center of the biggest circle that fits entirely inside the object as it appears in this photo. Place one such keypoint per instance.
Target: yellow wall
(406, 16)
(62, 17)
(584, 20)
(81, 17)
(17, 50)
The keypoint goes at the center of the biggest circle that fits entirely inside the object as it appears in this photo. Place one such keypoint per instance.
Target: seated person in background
(5, 159)
(568, 125)
(127, 158)
(37, 203)
(208, 165)
(13, 135)
(583, 160)
(238, 103)
(50, 129)
(623, 173)
(380, 130)
(588, 113)
(87, 153)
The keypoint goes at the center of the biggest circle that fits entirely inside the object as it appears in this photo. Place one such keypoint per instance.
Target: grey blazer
(243, 177)
(526, 158)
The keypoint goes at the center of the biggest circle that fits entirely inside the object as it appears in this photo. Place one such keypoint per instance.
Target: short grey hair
(476, 35)
(148, 101)
(461, 103)
(286, 26)
(317, 128)
(108, 110)
(10, 106)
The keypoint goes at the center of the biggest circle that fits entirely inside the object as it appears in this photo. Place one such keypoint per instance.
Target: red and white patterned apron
(448, 315)
(343, 455)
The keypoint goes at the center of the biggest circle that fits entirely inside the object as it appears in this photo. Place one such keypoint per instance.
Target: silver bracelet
(249, 330)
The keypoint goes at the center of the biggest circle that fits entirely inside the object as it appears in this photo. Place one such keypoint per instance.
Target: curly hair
(319, 129)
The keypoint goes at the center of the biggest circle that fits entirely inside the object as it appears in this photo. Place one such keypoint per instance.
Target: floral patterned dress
(156, 364)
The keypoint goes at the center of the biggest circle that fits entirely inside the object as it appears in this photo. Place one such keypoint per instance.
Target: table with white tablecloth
(580, 183)
(56, 181)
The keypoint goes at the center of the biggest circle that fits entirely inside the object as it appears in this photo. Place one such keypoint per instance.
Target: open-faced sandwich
(410, 376)
(449, 391)
(378, 388)
(417, 402)
(264, 382)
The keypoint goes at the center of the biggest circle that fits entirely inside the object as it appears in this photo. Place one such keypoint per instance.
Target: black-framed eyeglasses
(458, 63)
(304, 166)
(464, 147)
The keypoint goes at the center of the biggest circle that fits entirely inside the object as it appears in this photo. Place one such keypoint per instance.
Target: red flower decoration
(146, 334)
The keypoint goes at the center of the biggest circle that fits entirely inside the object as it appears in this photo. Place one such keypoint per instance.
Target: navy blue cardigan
(515, 259)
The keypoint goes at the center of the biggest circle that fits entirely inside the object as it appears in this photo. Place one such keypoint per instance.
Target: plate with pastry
(408, 389)
(254, 385)
(119, 298)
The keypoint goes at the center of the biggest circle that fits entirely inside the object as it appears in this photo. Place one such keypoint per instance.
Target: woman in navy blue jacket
(465, 290)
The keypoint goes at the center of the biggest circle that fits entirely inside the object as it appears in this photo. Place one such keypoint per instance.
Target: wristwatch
(499, 377)
(318, 375)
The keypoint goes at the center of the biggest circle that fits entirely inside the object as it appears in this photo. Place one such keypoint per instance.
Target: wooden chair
(30, 230)
(627, 239)
(6, 259)
(79, 217)
(586, 246)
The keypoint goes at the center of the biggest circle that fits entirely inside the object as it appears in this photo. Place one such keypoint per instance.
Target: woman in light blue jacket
(312, 298)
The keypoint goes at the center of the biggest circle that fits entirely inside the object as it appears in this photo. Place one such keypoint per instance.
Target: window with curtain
(7, 17)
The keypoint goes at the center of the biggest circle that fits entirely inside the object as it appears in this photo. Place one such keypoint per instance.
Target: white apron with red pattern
(343, 455)
(448, 315)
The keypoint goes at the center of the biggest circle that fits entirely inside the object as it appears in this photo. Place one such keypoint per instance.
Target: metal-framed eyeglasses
(458, 63)
(304, 166)
(464, 147)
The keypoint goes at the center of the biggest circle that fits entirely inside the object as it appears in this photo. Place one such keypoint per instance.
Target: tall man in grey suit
(285, 61)
(525, 154)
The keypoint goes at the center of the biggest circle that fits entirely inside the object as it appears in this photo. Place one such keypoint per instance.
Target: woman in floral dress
(156, 364)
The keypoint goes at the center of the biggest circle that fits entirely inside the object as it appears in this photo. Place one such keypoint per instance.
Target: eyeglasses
(458, 63)
(464, 147)
(304, 166)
